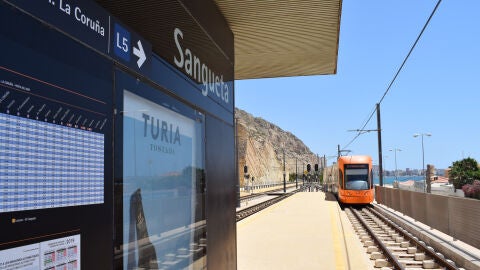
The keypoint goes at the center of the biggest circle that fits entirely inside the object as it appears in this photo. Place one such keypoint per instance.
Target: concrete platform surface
(306, 231)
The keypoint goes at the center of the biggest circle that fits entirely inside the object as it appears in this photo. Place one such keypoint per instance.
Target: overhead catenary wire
(359, 130)
(396, 74)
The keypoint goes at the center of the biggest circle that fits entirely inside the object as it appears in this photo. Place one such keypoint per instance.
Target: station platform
(305, 231)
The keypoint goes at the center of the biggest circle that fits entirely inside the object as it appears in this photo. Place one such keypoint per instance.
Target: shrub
(464, 172)
(472, 190)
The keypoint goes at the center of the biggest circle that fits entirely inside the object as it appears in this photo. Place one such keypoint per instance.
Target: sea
(390, 179)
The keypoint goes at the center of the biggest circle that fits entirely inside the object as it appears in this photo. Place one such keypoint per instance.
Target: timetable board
(56, 148)
(44, 165)
(51, 151)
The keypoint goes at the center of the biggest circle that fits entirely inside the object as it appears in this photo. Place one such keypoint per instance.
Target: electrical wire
(359, 131)
(396, 74)
(410, 52)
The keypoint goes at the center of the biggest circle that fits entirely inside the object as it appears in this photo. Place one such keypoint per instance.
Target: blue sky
(437, 92)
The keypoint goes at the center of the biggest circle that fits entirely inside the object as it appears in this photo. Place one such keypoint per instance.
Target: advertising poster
(162, 159)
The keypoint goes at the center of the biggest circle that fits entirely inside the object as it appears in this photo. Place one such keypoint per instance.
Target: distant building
(447, 173)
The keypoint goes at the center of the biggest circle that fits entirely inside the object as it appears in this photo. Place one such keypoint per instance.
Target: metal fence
(457, 217)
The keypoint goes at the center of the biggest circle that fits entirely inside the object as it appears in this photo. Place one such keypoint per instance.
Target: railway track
(253, 196)
(392, 247)
(244, 213)
(260, 194)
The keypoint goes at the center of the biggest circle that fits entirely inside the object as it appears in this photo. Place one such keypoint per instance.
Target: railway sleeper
(361, 234)
(372, 249)
(401, 245)
(412, 250)
(394, 234)
(403, 256)
(377, 255)
(430, 264)
(355, 224)
(368, 244)
(398, 249)
(399, 239)
(412, 264)
(365, 238)
(386, 239)
(357, 227)
(420, 256)
(380, 263)
(392, 244)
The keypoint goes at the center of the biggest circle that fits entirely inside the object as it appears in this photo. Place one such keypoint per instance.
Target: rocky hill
(261, 145)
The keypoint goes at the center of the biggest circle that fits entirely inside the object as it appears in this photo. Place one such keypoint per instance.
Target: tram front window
(356, 179)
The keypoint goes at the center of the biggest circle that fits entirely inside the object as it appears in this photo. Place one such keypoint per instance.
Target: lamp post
(296, 174)
(284, 174)
(423, 159)
(395, 150)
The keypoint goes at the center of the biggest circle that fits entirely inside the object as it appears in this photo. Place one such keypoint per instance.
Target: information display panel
(56, 118)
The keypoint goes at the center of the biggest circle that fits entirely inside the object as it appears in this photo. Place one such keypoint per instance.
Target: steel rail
(388, 254)
(411, 238)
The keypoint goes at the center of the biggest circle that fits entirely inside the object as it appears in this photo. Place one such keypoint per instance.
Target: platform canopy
(278, 38)
(272, 38)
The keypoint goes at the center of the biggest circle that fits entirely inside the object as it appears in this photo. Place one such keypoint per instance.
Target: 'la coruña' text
(80, 16)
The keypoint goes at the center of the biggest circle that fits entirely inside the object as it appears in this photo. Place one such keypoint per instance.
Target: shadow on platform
(330, 197)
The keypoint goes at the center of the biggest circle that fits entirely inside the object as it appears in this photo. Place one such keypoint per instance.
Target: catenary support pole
(380, 156)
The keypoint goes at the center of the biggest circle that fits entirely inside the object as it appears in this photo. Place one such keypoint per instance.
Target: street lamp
(395, 150)
(423, 159)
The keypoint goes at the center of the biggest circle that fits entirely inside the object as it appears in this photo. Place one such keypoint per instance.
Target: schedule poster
(62, 253)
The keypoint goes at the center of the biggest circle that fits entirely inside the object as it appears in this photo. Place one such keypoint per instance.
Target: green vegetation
(464, 172)
(472, 191)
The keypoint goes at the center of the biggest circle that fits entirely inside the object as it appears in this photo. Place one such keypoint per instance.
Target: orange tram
(350, 179)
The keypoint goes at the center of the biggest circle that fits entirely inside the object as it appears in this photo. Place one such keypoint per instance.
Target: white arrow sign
(140, 53)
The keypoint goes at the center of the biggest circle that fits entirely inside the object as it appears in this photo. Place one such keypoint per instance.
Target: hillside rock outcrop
(261, 145)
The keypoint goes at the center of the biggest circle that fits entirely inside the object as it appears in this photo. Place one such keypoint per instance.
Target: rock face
(261, 145)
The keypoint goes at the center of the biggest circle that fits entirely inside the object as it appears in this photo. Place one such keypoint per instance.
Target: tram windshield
(356, 176)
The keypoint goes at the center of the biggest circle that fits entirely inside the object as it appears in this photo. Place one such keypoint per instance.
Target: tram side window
(340, 178)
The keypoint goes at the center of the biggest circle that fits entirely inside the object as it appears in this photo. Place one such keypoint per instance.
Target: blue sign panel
(121, 42)
(130, 49)
(84, 20)
(91, 24)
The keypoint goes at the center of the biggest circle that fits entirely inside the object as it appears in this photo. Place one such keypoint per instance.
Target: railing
(262, 186)
(457, 217)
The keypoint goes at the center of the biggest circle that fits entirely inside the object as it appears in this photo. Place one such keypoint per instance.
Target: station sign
(92, 25)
